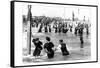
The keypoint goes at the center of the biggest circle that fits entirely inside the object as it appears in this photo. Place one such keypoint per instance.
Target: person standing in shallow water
(50, 28)
(46, 29)
(40, 28)
(38, 47)
(63, 48)
(48, 46)
(81, 37)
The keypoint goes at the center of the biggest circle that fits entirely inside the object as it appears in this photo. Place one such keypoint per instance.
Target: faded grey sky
(64, 11)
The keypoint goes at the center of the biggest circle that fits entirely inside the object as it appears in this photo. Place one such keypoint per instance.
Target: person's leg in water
(81, 40)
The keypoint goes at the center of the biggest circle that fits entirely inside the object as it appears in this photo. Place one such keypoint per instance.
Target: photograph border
(12, 32)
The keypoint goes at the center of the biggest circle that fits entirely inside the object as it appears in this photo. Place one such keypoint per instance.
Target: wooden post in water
(29, 21)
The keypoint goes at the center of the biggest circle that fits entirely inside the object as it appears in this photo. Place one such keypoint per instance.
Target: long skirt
(36, 52)
(64, 51)
(50, 54)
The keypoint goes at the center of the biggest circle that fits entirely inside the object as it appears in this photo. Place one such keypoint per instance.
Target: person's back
(38, 47)
(48, 48)
(64, 48)
(63, 45)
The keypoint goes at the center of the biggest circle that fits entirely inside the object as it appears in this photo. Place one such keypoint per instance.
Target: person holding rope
(63, 48)
(48, 46)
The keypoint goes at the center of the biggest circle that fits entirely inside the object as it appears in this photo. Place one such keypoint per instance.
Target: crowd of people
(78, 30)
(48, 47)
(60, 27)
(64, 28)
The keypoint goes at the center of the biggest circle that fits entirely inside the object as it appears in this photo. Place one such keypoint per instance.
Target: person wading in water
(48, 46)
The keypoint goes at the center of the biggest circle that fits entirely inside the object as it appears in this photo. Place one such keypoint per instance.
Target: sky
(51, 10)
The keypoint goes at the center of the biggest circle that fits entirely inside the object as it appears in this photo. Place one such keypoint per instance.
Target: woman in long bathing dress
(38, 47)
(48, 46)
(63, 48)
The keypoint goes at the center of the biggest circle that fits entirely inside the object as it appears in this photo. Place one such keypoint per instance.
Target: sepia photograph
(49, 33)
